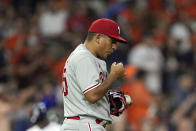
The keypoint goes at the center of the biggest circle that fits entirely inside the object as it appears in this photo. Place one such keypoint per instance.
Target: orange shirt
(141, 102)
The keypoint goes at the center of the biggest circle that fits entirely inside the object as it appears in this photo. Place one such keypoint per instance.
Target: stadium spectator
(39, 119)
(148, 57)
(134, 85)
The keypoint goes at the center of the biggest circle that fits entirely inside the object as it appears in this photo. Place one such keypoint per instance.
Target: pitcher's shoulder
(79, 55)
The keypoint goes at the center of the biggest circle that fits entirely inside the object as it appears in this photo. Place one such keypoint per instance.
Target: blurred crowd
(37, 36)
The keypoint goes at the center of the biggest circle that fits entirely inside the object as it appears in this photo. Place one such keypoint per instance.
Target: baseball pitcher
(88, 103)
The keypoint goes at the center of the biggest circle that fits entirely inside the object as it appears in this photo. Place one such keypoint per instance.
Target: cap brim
(119, 39)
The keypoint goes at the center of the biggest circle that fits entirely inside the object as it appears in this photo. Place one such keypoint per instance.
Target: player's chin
(106, 56)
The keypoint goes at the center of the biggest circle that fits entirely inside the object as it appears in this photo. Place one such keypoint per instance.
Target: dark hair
(90, 36)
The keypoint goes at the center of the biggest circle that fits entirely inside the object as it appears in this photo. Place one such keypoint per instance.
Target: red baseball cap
(107, 27)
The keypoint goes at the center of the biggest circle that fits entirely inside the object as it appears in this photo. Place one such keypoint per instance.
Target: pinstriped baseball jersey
(82, 73)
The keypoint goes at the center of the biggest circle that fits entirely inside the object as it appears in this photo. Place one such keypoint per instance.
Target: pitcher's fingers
(120, 63)
(114, 63)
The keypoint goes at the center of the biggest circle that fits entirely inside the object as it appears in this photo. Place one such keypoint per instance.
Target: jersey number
(65, 87)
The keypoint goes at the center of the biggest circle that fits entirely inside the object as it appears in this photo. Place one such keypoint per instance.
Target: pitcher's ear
(98, 38)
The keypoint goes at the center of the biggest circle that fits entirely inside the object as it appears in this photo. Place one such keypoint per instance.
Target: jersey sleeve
(87, 74)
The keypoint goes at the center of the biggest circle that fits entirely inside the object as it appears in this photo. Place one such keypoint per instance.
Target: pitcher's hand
(118, 70)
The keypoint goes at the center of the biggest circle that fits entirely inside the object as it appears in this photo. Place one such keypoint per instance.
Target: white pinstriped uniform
(82, 73)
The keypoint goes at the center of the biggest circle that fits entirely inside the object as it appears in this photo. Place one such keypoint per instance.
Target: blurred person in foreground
(40, 121)
(14, 106)
(5, 124)
(134, 85)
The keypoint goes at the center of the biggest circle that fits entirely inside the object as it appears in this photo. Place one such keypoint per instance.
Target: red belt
(78, 118)
(74, 118)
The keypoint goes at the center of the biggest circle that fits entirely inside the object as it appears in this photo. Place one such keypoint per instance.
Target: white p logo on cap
(118, 29)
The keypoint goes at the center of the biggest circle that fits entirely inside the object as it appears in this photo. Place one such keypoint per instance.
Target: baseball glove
(117, 102)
